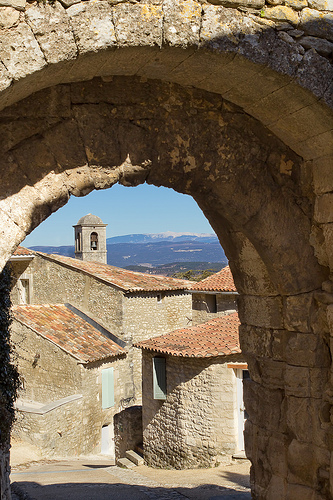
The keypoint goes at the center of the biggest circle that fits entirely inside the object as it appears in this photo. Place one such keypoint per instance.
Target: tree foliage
(9, 379)
(194, 274)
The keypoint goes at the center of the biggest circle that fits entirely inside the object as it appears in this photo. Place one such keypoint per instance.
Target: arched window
(93, 241)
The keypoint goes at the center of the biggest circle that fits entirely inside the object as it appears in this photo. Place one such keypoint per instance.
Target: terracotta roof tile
(129, 281)
(67, 330)
(218, 282)
(217, 337)
(22, 251)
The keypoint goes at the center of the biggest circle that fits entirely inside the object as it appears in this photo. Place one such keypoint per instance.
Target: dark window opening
(211, 303)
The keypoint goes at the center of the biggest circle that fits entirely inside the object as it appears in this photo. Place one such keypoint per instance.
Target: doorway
(241, 374)
(107, 440)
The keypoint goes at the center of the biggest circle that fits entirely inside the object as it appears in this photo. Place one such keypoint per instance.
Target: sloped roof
(129, 281)
(217, 337)
(72, 333)
(23, 252)
(218, 282)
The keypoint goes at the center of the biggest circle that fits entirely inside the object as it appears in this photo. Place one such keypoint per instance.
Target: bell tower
(90, 239)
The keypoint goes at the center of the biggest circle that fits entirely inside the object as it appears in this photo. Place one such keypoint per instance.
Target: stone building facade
(192, 415)
(214, 296)
(128, 306)
(74, 380)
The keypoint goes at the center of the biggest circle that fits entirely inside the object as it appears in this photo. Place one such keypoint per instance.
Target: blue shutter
(107, 388)
(159, 378)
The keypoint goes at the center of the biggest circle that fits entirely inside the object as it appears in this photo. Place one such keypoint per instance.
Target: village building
(213, 296)
(123, 305)
(192, 402)
(74, 377)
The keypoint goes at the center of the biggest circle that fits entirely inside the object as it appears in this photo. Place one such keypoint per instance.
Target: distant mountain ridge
(158, 237)
(152, 250)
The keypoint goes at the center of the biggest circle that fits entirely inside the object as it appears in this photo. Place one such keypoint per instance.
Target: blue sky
(143, 209)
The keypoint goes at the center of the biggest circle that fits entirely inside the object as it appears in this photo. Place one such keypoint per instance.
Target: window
(211, 303)
(107, 388)
(159, 378)
(93, 241)
(159, 298)
(23, 291)
(78, 242)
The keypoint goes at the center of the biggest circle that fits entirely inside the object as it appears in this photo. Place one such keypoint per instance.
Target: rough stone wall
(145, 317)
(201, 311)
(127, 430)
(54, 284)
(47, 373)
(196, 425)
(75, 427)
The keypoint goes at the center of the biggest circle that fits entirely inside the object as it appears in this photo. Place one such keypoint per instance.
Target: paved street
(96, 479)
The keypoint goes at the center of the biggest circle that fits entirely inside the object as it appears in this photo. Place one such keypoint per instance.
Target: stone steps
(131, 460)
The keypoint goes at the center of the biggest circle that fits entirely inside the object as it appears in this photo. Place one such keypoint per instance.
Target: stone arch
(133, 86)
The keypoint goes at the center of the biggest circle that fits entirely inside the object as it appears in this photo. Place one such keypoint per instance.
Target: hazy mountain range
(152, 250)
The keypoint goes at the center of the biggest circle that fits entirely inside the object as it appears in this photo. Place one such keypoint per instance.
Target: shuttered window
(107, 388)
(159, 378)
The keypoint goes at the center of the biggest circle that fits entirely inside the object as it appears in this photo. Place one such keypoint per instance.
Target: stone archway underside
(220, 104)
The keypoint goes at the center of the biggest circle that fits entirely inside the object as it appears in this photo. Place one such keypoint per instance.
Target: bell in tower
(90, 239)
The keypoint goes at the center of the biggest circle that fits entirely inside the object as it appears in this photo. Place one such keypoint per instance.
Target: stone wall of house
(54, 283)
(47, 373)
(196, 425)
(148, 315)
(75, 427)
(127, 430)
(202, 310)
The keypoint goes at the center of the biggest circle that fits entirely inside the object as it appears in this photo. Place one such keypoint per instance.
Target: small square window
(159, 298)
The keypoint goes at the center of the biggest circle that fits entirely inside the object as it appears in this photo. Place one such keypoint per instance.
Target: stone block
(298, 492)
(281, 13)
(255, 341)
(221, 25)
(297, 381)
(16, 4)
(9, 17)
(281, 102)
(295, 317)
(296, 4)
(272, 373)
(277, 488)
(134, 457)
(182, 22)
(20, 51)
(11, 235)
(323, 211)
(51, 27)
(139, 24)
(323, 47)
(317, 23)
(261, 311)
(321, 4)
(323, 174)
(92, 26)
(303, 414)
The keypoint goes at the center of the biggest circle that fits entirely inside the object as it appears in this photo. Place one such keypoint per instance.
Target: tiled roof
(218, 282)
(24, 252)
(129, 281)
(68, 331)
(217, 337)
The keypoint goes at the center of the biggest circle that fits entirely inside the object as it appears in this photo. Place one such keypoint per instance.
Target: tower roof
(90, 220)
